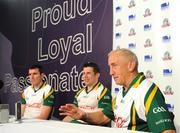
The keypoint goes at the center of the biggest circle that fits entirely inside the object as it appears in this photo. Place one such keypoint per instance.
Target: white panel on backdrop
(150, 29)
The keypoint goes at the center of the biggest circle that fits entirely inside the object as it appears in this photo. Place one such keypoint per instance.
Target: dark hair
(37, 66)
(93, 65)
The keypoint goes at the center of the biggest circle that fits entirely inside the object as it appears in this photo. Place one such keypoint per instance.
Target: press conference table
(51, 126)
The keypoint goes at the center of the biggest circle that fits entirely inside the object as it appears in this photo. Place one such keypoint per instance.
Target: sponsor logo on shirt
(106, 97)
(163, 121)
(119, 121)
(116, 90)
(34, 105)
(87, 107)
(158, 110)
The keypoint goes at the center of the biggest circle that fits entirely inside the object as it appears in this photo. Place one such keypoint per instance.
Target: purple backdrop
(61, 35)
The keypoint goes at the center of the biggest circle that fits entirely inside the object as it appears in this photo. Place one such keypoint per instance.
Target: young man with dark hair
(37, 99)
(94, 97)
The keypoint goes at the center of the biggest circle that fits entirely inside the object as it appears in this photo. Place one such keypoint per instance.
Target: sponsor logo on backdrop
(168, 90)
(158, 110)
(148, 43)
(118, 35)
(147, 27)
(149, 74)
(147, 12)
(131, 17)
(132, 4)
(167, 72)
(166, 22)
(166, 38)
(167, 56)
(170, 107)
(132, 45)
(147, 58)
(118, 8)
(164, 5)
(118, 22)
(132, 32)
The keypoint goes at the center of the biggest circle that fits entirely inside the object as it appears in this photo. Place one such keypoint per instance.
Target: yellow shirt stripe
(134, 118)
(138, 81)
(103, 93)
(52, 90)
(150, 98)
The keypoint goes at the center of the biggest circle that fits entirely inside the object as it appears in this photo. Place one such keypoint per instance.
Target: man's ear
(98, 75)
(131, 66)
(42, 75)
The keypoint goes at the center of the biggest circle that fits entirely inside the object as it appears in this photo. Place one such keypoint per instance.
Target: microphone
(18, 111)
(1, 84)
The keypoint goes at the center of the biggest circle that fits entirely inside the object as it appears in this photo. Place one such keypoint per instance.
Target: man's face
(35, 77)
(89, 77)
(118, 66)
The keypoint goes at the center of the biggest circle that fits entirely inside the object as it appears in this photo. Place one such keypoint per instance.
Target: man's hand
(72, 111)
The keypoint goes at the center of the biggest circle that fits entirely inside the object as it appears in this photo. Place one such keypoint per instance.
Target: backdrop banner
(61, 35)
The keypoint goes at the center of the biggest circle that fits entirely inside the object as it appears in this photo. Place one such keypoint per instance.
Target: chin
(117, 82)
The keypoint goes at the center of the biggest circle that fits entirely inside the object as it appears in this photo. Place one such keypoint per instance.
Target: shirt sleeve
(158, 116)
(75, 102)
(105, 102)
(49, 98)
(23, 100)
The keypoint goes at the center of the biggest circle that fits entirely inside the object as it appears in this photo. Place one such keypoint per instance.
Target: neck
(130, 78)
(90, 87)
(39, 85)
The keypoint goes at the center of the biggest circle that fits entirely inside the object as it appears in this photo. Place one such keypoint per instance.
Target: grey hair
(127, 53)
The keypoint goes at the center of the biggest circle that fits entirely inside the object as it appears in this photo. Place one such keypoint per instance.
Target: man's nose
(31, 76)
(84, 76)
(111, 71)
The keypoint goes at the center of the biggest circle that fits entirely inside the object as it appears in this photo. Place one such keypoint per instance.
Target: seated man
(94, 97)
(37, 99)
(139, 105)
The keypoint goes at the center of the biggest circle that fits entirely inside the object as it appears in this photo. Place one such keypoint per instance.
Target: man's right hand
(72, 111)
